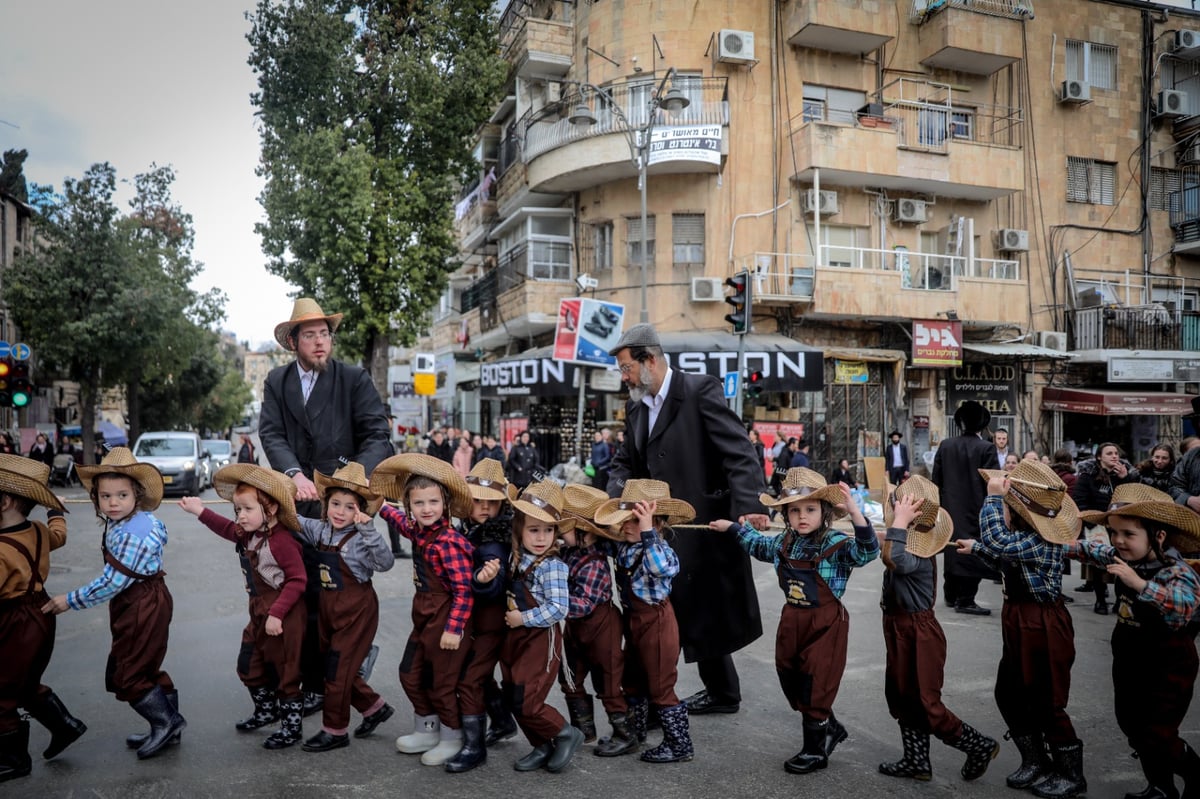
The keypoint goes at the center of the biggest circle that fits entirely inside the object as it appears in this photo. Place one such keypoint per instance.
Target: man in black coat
(679, 430)
(439, 447)
(956, 474)
(896, 455)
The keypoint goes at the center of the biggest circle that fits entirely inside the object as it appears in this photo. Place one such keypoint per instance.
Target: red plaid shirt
(448, 554)
(590, 580)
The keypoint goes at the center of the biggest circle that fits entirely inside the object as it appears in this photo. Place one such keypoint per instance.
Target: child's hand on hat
(643, 510)
(362, 518)
(908, 507)
(997, 486)
(450, 640)
(850, 506)
(489, 571)
(274, 626)
(964, 546)
(720, 525)
(192, 505)
(1125, 573)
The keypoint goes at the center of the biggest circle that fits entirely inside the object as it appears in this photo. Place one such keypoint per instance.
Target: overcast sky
(135, 82)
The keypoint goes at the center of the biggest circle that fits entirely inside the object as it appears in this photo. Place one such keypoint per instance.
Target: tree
(12, 174)
(367, 109)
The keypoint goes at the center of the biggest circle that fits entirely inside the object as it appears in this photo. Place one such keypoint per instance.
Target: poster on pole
(586, 330)
(685, 143)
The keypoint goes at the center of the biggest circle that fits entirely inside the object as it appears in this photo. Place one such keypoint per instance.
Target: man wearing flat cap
(680, 430)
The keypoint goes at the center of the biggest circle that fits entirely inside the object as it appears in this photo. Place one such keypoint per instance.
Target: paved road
(739, 755)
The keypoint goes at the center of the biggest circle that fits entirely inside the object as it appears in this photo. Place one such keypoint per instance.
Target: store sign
(992, 385)
(1153, 370)
(586, 330)
(685, 143)
(850, 372)
(936, 343)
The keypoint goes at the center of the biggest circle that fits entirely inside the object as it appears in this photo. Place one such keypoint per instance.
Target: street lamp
(639, 142)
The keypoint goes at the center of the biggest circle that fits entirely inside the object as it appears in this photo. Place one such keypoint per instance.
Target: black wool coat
(962, 490)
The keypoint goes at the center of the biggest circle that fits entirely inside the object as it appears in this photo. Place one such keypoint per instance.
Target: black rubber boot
(1189, 769)
(64, 728)
(1160, 780)
(914, 764)
(136, 740)
(165, 721)
(638, 717)
(291, 725)
(14, 753)
(622, 742)
(569, 739)
(676, 746)
(473, 752)
(835, 733)
(980, 749)
(813, 756)
(1066, 780)
(583, 716)
(535, 759)
(266, 710)
(503, 725)
(1034, 762)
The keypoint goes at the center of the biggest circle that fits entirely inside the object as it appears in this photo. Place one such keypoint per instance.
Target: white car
(180, 457)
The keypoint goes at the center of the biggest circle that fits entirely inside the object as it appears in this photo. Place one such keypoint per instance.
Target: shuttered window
(1091, 62)
(1090, 181)
(633, 239)
(687, 238)
(602, 246)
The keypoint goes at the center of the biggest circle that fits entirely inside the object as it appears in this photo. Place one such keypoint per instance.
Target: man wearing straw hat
(681, 431)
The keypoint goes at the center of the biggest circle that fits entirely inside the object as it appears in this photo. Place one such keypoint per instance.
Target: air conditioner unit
(909, 211)
(1186, 40)
(827, 204)
(1052, 340)
(735, 47)
(707, 289)
(1189, 155)
(1172, 103)
(1075, 91)
(1012, 240)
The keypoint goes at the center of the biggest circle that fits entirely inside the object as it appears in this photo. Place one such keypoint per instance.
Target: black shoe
(369, 723)
(609, 314)
(1067, 600)
(400, 554)
(1100, 608)
(323, 742)
(313, 703)
(702, 703)
(1086, 588)
(597, 328)
(972, 609)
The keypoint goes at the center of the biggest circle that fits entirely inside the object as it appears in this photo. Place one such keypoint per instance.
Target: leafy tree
(367, 109)
(12, 174)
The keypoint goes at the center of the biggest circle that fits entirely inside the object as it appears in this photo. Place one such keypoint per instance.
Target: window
(827, 104)
(602, 246)
(691, 86)
(840, 245)
(962, 123)
(1093, 63)
(1090, 181)
(633, 239)
(1174, 298)
(1165, 182)
(687, 238)
(1182, 76)
(538, 248)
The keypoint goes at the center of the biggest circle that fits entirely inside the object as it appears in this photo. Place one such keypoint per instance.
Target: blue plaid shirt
(1040, 562)
(549, 586)
(651, 582)
(138, 544)
(1174, 590)
(833, 569)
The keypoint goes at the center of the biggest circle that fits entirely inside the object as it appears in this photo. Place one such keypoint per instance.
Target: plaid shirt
(651, 583)
(137, 542)
(449, 556)
(1040, 562)
(590, 579)
(1174, 589)
(834, 569)
(549, 584)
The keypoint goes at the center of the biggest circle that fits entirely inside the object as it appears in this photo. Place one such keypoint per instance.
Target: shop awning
(1115, 402)
(1016, 350)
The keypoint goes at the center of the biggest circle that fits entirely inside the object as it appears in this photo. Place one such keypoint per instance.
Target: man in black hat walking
(897, 459)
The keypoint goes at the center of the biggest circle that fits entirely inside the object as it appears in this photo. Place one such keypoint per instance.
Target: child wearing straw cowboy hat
(27, 634)
(1154, 640)
(918, 528)
(646, 567)
(489, 529)
(813, 562)
(273, 568)
(441, 611)
(592, 639)
(538, 600)
(349, 550)
(124, 493)
(1025, 525)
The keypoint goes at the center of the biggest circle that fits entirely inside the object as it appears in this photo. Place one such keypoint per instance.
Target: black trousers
(720, 679)
(960, 590)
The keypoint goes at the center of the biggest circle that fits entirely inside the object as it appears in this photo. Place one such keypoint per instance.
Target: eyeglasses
(316, 335)
(628, 368)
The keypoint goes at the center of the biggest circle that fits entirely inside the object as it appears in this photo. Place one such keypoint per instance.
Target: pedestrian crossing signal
(754, 384)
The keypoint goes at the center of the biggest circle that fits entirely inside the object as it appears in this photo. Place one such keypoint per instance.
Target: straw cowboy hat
(1039, 496)
(1143, 502)
(486, 480)
(24, 477)
(304, 310)
(276, 485)
(544, 501)
(930, 531)
(391, 477)
(352, 478)
(616, 511)
(120, 460)
(580, 503)
(801, 483)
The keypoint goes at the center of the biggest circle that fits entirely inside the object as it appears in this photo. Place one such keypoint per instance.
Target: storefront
(1135, 420)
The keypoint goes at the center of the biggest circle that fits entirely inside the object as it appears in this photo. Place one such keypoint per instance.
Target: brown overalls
(651, 643)
(140, 620)
(349, 617)
(26, 634)
(487, 638)
(529, 662)
(592, 644)
(269, 661)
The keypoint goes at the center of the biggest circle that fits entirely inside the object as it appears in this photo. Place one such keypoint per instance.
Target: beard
(316, 366)
(645, 382)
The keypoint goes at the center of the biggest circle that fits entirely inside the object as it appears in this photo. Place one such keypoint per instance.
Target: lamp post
(638, 140)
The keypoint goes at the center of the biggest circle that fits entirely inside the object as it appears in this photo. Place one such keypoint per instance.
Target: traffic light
(6, 382)
(754, 384)
(739, 317)
(20, 389)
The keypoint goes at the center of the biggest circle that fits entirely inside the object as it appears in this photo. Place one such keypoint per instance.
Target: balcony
(536, 47)
(884, 285)
(519, 298)
(1185, 219)
(475, 212)
(849, 26)
(980, 37)
(1148, 327)
(562, 157)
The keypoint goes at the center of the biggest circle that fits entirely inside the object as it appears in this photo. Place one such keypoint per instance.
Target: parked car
(182, 458)
(222, 453)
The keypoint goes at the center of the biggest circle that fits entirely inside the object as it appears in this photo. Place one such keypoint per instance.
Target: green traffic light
(20, 399)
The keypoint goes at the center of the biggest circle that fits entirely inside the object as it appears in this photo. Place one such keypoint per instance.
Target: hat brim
(564, 523)
(988, 474)
(677, 511)
(21, 485)
(588, 526)
(1062, 529)
(928, 543)
(144, 474)
(1185, 523)
(392, 474)
(276, 485)
(283, 328)
(508, 494)
(830, 493)
(325, 482)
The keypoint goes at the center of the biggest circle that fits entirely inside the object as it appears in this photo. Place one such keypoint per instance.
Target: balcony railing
(1147, 327)
(1010, 9)
(536, 261)
(482, 191)
(514, 24)
(549, 128)
(931, 115)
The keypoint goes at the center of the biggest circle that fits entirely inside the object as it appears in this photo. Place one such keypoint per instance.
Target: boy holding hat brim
(441, 612)
(273, 569)
(124, 494)
(1154, 639)
(592, 639)
(918, 528)
(1026, 523)
(813, 562)
(349, 550)
(538, 600)
(646, 567)
(489, 529)
(27, 634)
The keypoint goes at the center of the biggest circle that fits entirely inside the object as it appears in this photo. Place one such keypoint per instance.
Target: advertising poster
(586, 329)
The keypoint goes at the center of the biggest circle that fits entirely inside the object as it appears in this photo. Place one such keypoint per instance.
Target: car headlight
(189, 466)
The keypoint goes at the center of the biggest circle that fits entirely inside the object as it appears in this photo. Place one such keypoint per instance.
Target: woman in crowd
(1156, 470)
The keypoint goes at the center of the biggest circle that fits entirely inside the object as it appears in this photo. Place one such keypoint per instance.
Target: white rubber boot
(423, 737)
(448, 747)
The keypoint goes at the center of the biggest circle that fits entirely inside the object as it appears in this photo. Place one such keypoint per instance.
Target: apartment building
(935, 200)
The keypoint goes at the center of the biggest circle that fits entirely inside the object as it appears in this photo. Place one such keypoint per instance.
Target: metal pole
(644, 318)
(581, 372)
(738, 404)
